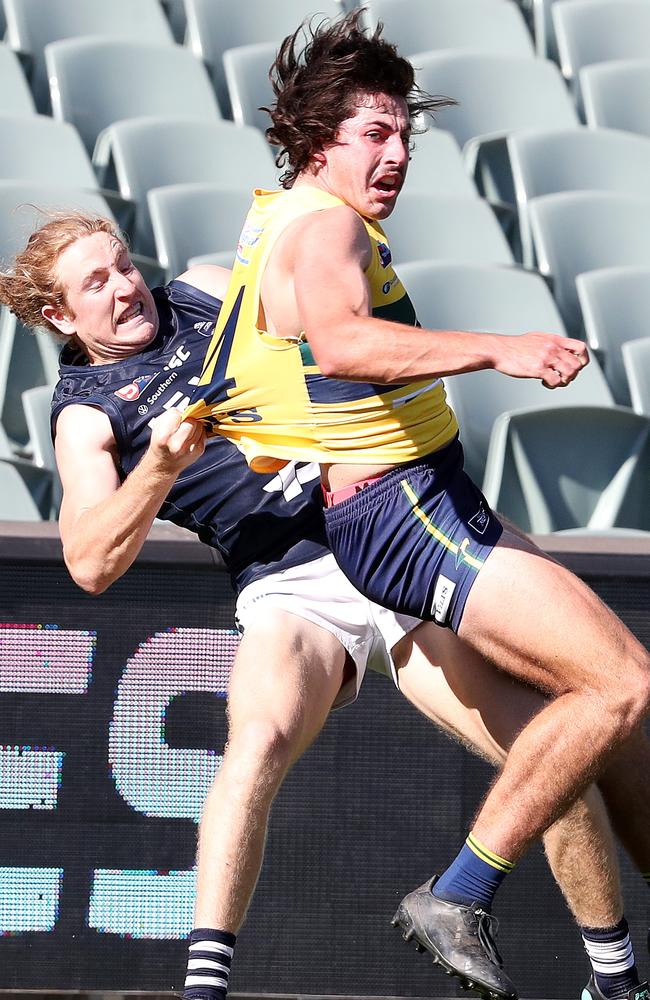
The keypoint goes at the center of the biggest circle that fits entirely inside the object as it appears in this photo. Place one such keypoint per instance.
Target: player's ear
(59, 319)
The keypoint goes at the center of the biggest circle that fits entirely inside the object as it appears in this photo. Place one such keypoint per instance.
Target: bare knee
(629, 701)
(260, 749)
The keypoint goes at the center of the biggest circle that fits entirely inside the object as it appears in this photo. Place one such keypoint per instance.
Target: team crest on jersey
(385, 255)
(480, 520)
(135, 388)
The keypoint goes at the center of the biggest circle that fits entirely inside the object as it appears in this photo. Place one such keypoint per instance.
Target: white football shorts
(319, 592)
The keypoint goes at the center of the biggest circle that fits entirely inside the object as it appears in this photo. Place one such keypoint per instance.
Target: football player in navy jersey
(129, 361)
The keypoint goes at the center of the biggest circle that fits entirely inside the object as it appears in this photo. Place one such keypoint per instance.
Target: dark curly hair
(316, 85)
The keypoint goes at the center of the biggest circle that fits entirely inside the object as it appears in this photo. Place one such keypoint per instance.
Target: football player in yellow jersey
(417, 537)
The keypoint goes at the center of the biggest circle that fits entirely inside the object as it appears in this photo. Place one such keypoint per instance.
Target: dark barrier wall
(112, 722)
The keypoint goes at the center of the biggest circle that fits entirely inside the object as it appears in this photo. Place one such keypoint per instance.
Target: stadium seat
(139, 154)
(543, 30)
(25, 361)
(424, 227)
(617, 95)
(417, 26)
(195, 219)
(224, 258)
(596, 31)
(553, 470)
(62, 159)
(95, 82)
(32, 24)
(582, 231)
(496, 95)
(246, 70)
(636, 360)
(15, 95)
(615, 306)
(177, 17)
(37, 148)
(437, 166)
(36, 404)
(491, 299)
(546, 162)
(16, 501)
(216, 25)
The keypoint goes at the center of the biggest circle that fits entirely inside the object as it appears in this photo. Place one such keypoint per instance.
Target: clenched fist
(175, 442)
(553, 359)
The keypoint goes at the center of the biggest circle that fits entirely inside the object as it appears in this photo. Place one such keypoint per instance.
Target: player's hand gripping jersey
(267, 393)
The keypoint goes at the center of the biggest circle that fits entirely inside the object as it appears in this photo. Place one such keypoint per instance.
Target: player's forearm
(106, 539)
(366, 349)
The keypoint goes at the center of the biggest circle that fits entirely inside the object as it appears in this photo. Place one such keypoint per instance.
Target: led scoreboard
(112, 728)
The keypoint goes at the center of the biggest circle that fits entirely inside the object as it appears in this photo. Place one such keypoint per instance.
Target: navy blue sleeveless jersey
(259, 523)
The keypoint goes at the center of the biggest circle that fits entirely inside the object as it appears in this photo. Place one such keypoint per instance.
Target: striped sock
(612, 959)
(474, 875)
(208, 965)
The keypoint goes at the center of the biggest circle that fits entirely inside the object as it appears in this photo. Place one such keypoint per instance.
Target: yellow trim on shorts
(488, 856)
(458, 550)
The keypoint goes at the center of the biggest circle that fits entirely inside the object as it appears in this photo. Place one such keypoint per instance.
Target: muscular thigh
(459, 690)
(287, 673)
(542, 623)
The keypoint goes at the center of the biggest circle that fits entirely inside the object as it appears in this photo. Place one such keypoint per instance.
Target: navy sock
(474, 875)
(208, 965)
(612, 959)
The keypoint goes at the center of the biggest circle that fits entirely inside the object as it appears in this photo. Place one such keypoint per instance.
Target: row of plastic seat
(588, 31)
(496, 94)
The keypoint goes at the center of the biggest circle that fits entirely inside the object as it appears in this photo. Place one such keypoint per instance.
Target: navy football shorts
(415, 539)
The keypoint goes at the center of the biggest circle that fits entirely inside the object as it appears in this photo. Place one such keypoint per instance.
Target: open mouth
(388, 185)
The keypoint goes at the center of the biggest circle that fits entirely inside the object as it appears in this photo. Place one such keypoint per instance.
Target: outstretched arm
(327, 255)
(103, 522)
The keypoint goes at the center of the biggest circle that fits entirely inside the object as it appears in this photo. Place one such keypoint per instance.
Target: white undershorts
(319, 592)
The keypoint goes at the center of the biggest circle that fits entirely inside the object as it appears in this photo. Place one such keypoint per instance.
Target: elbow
(328, 345)
(330, 366)
(331, 363)
(88, 575)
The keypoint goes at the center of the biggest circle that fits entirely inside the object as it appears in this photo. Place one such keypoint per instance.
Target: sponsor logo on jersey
(442, 596)
(163, 387)
(205, 328)
(135, 388)
(461, 550)
(384, 254)
(480, 520)
(249, 238)
(389, 284)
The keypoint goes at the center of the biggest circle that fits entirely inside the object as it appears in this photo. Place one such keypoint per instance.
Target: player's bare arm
(208, 278)
(103, 522)
(329, 257)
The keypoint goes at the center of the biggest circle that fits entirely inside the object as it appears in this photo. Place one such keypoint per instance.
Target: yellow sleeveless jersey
(268, 395)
